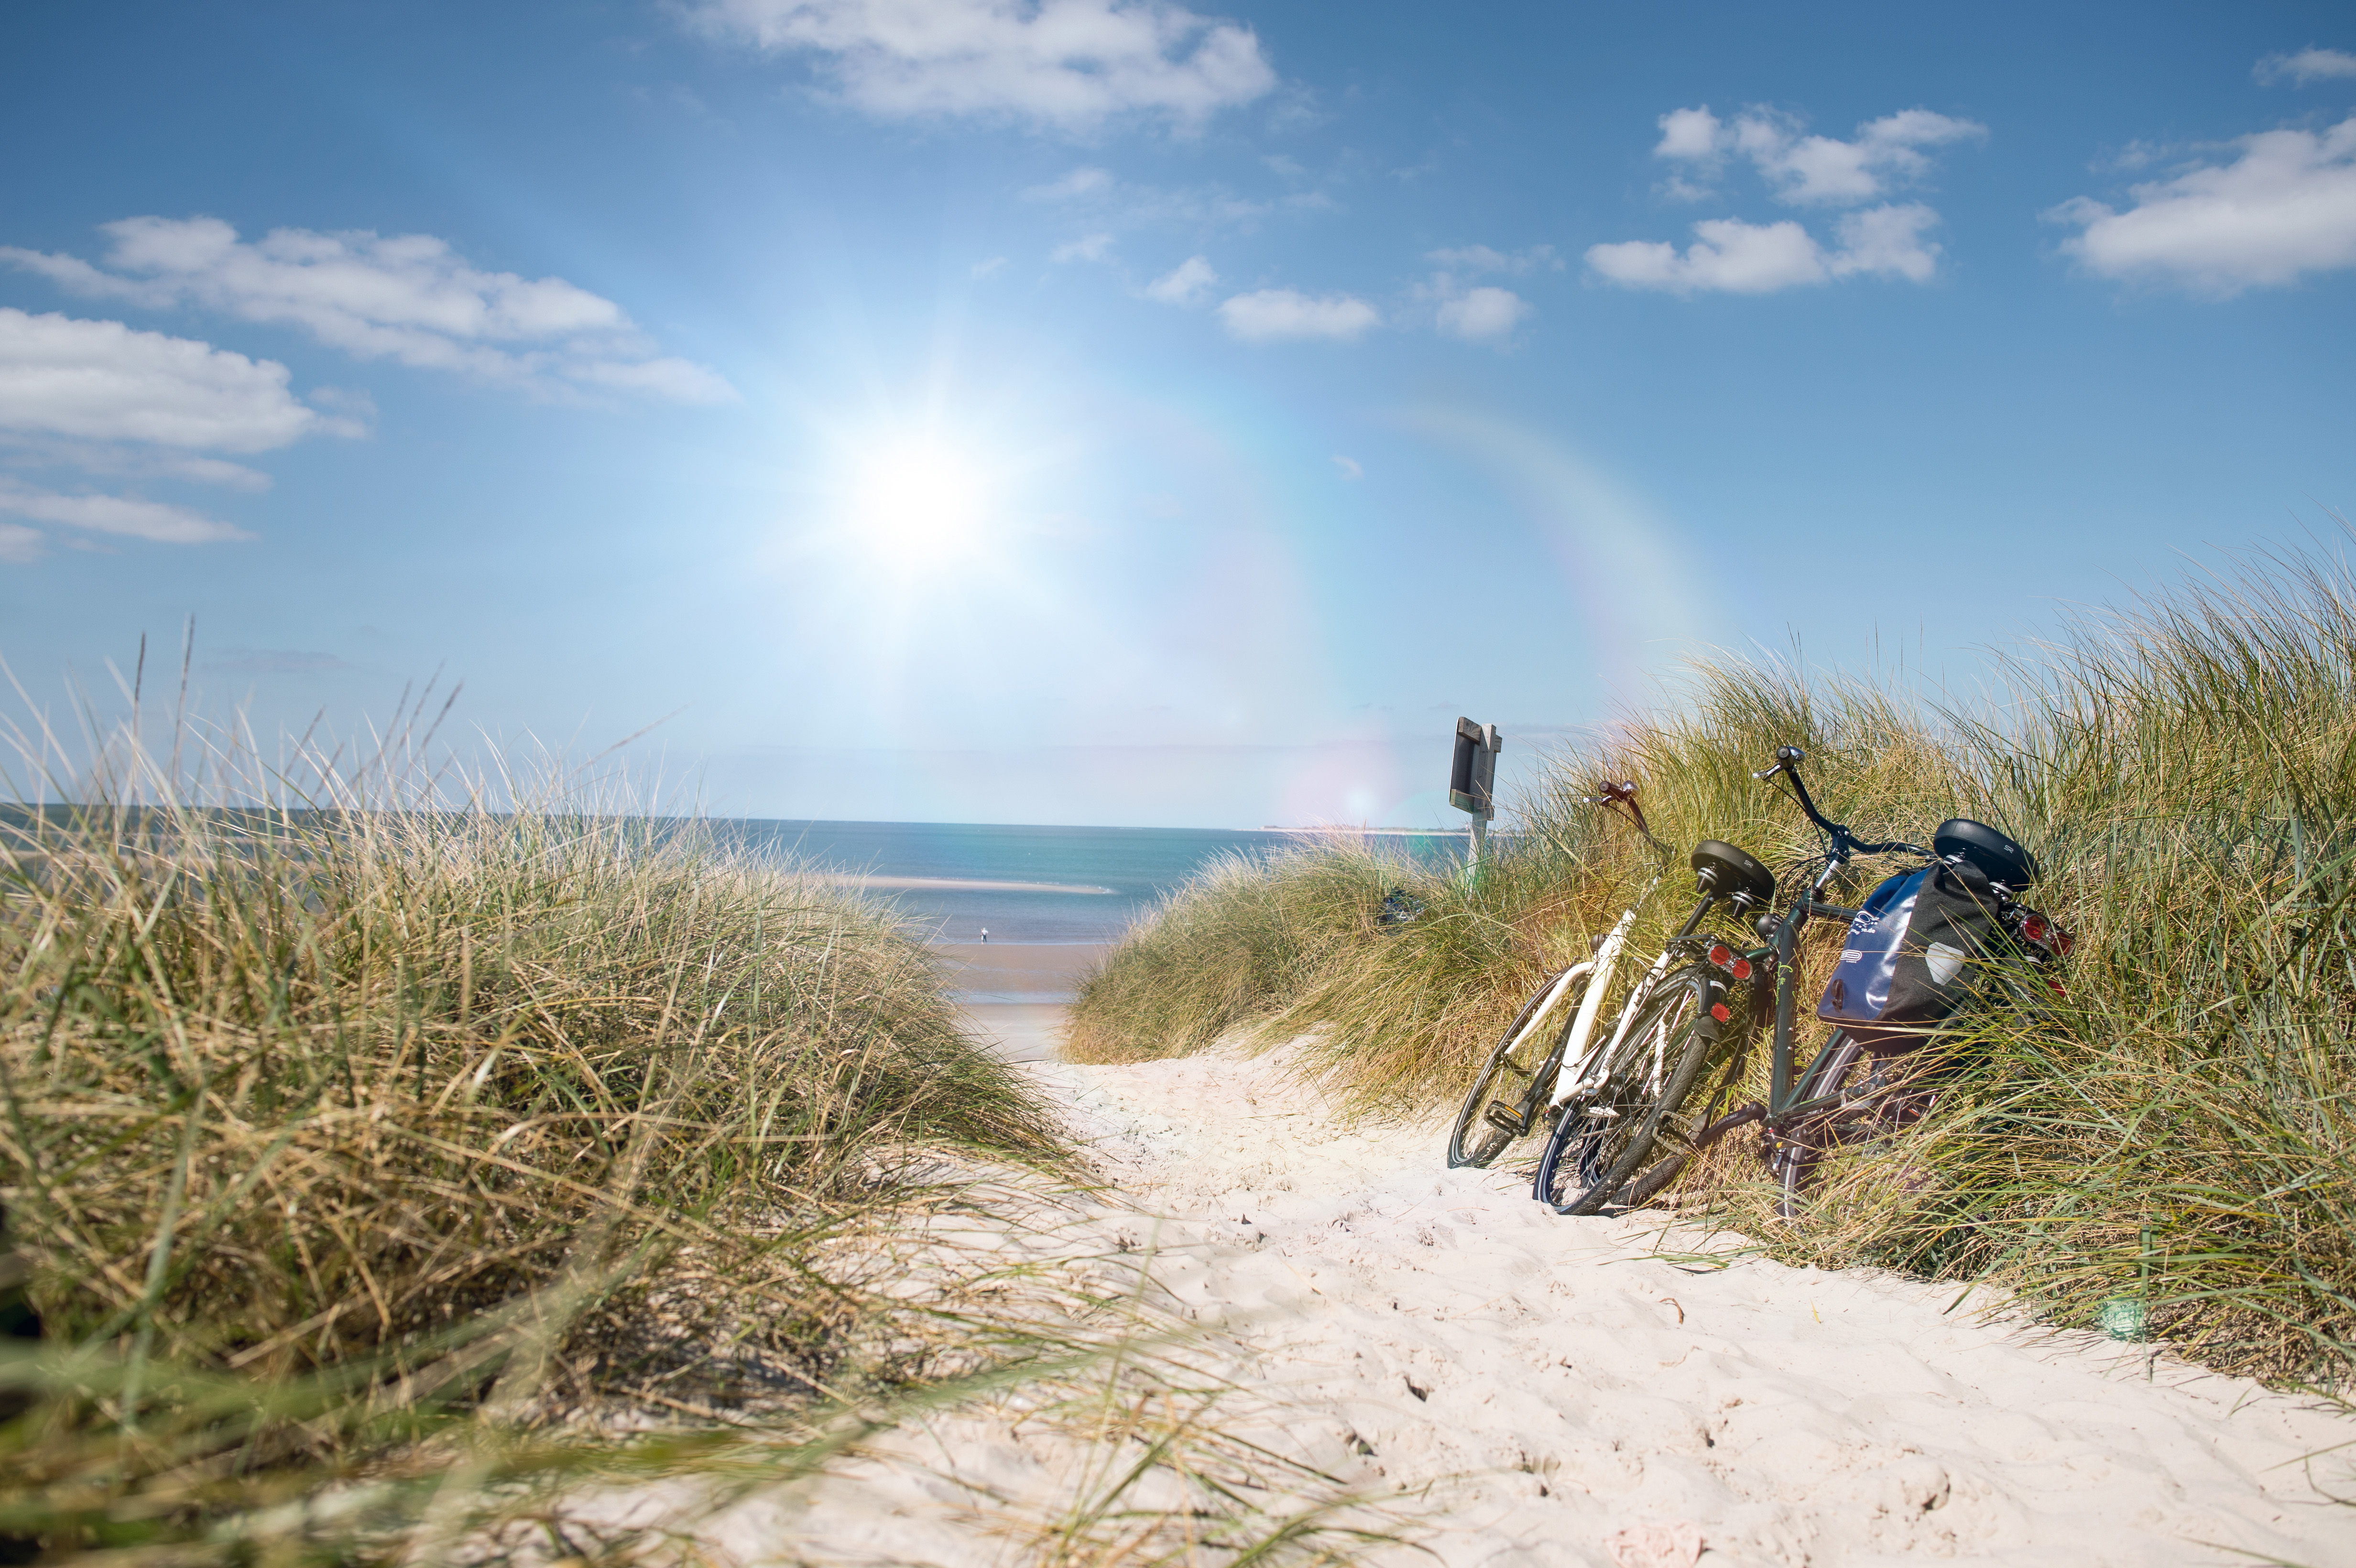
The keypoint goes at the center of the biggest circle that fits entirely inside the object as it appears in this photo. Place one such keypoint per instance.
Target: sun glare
(918, 504)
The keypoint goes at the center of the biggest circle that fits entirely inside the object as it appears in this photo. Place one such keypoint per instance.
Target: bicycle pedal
(1504, 1119)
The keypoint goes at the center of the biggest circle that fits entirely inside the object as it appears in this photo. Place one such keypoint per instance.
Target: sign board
(1473, 776)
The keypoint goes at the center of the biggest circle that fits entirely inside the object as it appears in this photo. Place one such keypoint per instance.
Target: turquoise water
(1088, 883)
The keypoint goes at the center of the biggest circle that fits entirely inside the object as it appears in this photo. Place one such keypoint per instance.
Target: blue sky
(1116, 412)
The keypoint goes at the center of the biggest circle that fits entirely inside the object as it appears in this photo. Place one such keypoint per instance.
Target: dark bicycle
(1891, 987)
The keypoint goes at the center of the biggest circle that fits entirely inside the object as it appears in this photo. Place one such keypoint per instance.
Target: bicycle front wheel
(1601, 1139)
(1518, 1078)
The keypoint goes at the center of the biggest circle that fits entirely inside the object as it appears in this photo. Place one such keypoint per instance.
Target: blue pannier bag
(1910, 957)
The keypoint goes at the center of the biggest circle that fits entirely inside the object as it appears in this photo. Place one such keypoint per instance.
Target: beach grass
(389, 1156)
(2177, 1132)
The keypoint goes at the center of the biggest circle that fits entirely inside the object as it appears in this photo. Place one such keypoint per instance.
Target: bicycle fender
(1716, 1014)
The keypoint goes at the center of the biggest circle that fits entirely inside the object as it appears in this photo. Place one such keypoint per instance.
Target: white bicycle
(1522, 1086)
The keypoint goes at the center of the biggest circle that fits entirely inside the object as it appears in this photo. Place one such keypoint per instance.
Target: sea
(1027, 884)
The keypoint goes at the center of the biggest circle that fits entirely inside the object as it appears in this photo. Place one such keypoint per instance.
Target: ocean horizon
(1034, 884)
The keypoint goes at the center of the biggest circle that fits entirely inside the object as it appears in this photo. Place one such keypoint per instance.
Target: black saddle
(2003, 860)
(1730, 873)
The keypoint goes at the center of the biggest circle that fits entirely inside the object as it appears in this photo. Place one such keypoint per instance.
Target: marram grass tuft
(2179, 1130)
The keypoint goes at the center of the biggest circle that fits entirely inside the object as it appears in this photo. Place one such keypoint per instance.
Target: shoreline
(1016, 995)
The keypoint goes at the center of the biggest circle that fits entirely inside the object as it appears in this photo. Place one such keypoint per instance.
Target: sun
(917, 503)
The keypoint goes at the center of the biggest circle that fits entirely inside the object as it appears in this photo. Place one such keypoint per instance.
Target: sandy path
(1545, 1386)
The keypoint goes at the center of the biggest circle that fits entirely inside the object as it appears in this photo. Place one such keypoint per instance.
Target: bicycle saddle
(2003, 860)
(1729, 871)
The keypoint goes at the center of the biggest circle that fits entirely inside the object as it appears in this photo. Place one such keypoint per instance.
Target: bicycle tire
(1538, 1071)
(1600, 1140)
(1869, 1111)
(1720, 1080)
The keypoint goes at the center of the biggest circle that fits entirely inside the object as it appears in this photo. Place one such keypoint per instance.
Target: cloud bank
(409, 298)
(102, 381)
(2283, 207)
(154, 521)
(103, 396)
(1066, 65)
(1806, 171)
(1728, 255)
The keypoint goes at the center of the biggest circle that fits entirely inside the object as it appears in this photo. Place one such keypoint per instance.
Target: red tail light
(1741, 970)
(1718, 1011)
(1722, 956)
(2034, 928)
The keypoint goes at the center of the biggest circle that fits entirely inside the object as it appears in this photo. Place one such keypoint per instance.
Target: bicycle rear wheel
(1519, 1076)
(1601, 1139)
(1712, 1093)
(1879, 1095)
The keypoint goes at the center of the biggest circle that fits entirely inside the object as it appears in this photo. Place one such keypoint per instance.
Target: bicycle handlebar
(1623, 795)
(1846, 843)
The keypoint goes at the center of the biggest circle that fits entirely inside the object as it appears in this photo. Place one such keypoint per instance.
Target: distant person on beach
(985, 934)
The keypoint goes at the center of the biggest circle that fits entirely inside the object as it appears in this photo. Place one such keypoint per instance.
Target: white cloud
(1269, 315)
(1349, 466)
(1069, 64)
(1886, 241)
(1482, 258)
(2283, 207)
(150, 520)
(102, 397)
(2309, 65)
(1483, 314)
(1088, 248)
(984, 269)
(1730, 256)
(1807, 170)
(1184, 283)
(408, 298)
(1690, 136)
(100, 380)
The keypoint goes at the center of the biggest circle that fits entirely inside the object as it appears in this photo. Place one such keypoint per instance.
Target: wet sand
(1015, 992)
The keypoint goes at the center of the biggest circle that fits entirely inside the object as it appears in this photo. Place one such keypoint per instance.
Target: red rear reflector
(1721, 955)
(2034, 929)
(2063, 942)
(1718, 1011)
(1741, 970)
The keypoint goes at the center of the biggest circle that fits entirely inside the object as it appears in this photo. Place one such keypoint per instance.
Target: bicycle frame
(1594, 1067)
(1780, 1108)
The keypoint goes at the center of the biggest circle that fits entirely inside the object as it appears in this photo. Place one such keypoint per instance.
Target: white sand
(1535, 1390)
